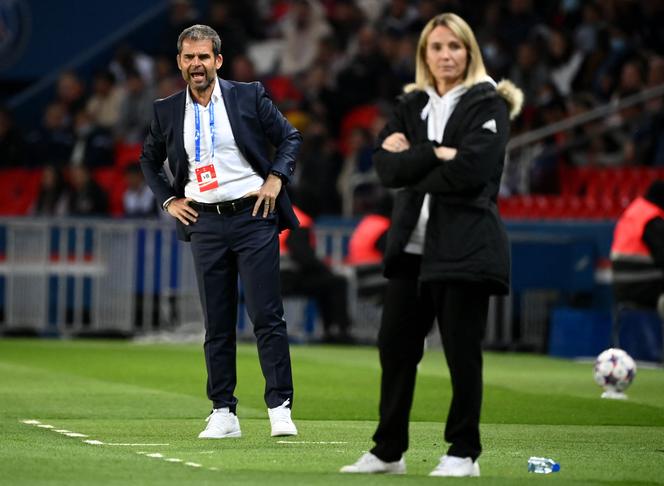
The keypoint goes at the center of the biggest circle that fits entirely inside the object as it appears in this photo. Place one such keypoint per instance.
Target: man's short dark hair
(200, 32)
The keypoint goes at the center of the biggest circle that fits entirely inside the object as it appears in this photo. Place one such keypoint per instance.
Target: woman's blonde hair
(475, 69)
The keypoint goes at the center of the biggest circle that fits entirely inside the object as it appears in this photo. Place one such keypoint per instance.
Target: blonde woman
(447, 249)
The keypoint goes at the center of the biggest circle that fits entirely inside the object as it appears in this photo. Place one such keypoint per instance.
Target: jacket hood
(512, 95)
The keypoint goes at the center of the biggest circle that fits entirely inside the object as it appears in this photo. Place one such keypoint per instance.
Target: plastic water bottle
(542, 465)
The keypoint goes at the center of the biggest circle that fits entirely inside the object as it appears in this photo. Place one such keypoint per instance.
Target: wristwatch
(283, 178)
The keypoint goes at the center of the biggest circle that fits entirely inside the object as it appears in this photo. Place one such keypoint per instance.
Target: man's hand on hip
(180, 209)
(267, 195)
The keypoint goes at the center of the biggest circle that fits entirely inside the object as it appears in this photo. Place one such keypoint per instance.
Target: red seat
(19, 189)
(127, 153)
(360, 117)
(111, 179)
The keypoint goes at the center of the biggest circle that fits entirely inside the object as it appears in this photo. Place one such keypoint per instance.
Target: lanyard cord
(197, 131)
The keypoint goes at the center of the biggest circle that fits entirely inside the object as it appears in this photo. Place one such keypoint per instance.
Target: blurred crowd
(335, 67)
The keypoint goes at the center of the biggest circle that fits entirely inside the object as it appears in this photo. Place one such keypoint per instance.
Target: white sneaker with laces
(221, 423)
(280, 420)
(370, 464)
(454, 466)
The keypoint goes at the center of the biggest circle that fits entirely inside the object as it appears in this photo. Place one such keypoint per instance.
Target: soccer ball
(614, 371)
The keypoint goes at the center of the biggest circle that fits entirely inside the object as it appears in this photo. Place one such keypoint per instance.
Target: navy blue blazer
(255, 123)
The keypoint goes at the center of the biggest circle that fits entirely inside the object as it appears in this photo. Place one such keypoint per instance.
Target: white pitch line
(134, 445)
(155, 455)
(308, 442)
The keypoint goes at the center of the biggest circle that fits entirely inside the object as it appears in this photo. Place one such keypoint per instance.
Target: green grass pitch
(123, 394)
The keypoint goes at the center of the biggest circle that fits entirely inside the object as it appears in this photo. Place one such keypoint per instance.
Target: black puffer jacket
(465, 237)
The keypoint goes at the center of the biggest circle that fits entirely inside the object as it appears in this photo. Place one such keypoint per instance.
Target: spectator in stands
(447, 249)
(564, 61)
(637, 252)
(12, 145)
(399, 16)
(182, 14)
(220, 18)
(367, 77)
(243, 69)
(529, 72)
(87, 198)
(104, 104)
(302, 28)
(138, 200)
(357, 176)
(53, 141)
(70, 94)
(319, 167)
(52, 199)
(135, 110)
(303, 273)
(93, 144)
(346, 18)
(129, 60)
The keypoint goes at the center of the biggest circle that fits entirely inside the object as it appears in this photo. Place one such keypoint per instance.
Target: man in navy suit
(227, 199)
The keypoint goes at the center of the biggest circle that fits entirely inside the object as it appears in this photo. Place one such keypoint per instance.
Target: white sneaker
(221, 423)
(456, 467)
(370, 464)
(280, 420)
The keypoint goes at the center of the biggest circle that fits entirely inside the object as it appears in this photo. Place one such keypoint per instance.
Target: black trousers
(461, 309)
(223, 246)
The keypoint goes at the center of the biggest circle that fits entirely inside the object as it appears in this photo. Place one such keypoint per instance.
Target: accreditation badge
(207, 178)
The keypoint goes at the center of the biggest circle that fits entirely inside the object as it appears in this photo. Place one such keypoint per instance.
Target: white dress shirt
(235, 175)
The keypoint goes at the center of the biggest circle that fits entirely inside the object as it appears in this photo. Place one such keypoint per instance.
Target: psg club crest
(15, 27)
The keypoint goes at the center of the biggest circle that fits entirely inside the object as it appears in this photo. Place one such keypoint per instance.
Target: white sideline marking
(133, 445)
(155, 455)
(308, 442)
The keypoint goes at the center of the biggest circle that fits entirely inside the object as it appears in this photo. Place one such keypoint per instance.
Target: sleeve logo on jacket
(490, 125)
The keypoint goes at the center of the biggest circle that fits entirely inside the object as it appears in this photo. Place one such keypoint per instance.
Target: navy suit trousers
(223, 246)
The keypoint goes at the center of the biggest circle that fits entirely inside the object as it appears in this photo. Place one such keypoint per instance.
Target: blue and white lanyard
(197, 131)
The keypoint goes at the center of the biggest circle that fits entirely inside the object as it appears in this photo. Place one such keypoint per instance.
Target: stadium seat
(126, 153)
(359, 117)
(19, 189)
(111, 179)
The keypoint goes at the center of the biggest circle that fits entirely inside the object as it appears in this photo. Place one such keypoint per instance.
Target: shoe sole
(284, 434)
(225, 436)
